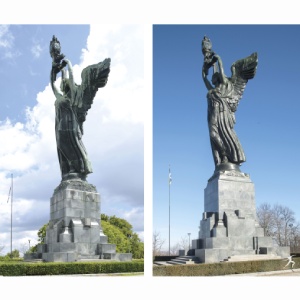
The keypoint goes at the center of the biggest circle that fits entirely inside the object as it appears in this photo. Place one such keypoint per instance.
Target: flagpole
(169, 209)
(11, 203)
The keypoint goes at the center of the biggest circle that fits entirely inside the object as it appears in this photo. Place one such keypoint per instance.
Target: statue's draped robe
(72, 154)
(221, 120)
(70, 115)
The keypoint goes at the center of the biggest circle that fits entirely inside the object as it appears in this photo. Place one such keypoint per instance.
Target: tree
(120, 233)
(184, 243)
(116, 236)
(42, 234)
(137, 247)
(157, 243)
(265, 218)
(23, 248)
(125, 227)
(279, 223)
(283, 217)
(14, 254)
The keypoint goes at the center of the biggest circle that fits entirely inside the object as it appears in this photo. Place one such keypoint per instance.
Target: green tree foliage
(41, 238)
(122, 235)
(122, 224)
(115, 236)
(137, 247)
(15, 254)
(42, 234)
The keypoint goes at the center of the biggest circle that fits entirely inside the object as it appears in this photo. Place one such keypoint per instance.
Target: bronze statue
(223, 98)
(71, 108)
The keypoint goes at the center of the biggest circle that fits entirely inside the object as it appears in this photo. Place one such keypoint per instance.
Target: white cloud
(7, 43)
(6, 37)
(114, 138)
(36, 50)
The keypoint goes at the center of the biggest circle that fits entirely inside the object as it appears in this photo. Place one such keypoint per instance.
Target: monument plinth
(229, 225)
(74, 232)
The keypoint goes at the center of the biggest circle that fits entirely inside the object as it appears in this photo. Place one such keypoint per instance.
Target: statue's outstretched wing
(93, 77)
(242, 70)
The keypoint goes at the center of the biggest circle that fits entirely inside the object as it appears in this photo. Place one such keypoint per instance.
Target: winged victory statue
(71, 106)
(223, 97)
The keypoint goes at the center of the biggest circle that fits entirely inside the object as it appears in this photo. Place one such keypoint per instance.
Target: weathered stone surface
(74, 230)
(229, 226)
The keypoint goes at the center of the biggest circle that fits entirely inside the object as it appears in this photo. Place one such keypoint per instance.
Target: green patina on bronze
(224, 94)
(71, 106)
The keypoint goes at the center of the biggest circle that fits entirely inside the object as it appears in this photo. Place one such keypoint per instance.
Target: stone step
(89, 257)
(251, 257)
(184, 260)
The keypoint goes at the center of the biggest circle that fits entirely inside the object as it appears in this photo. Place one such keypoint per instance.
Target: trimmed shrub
(57, 268)
(224, 268)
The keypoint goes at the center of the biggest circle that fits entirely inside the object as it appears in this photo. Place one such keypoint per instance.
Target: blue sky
(113, 130)
(25, 59)
(266, 120)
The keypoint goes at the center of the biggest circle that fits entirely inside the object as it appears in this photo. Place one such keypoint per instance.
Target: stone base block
(106, 248)
(241, 243)
(103, 239)
(32, 256)
(118, 256)
(235, 252)
(214, 242)
(197, 244)
(88, 257)
(41, 248)
(280, 251)
(60, 257)
(229, 225)
(74, 229)
(219, 231)
(182, 252)
(211, 255)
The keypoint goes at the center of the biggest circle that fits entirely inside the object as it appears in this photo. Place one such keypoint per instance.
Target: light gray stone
(74, 230)
(229, 225)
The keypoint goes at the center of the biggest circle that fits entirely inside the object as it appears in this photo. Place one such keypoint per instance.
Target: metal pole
(169, 209)
(11, 203)
(169, 212)
(189, 241)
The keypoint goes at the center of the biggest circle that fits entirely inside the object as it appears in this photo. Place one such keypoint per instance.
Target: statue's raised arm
(224, 94)
(71, 107)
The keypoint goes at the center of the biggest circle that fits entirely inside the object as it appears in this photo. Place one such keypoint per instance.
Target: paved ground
(295, 272)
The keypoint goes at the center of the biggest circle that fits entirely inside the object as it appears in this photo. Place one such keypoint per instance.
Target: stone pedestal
(74, 232)
(229, 224)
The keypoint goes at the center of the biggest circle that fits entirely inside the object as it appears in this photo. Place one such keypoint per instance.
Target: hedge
(224, 268)
(58, 268)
